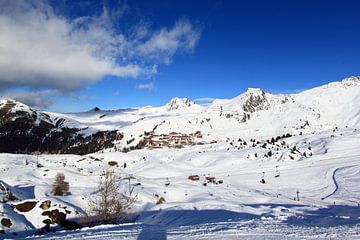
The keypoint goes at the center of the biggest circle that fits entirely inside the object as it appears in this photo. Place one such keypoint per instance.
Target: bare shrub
(109, 205)
(60, 186)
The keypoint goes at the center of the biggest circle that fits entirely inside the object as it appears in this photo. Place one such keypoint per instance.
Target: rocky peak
(6, 106)
(179, 103)
(95, 109)
(255, 99)
(254, 91)
(351, 81)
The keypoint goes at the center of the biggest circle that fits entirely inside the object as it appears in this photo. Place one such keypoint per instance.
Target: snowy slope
(330, 175)
(302, 145)
(254, 113)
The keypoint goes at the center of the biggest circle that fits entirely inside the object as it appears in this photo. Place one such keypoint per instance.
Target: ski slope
(240, 206)
(304, 146)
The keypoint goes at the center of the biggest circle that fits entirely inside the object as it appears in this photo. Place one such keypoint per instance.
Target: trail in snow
(335, 183)
(239, 207)
(243, 229)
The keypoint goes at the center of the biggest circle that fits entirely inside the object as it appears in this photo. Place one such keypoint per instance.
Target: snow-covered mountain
(254, 113)
(179, 103)
(259, 164)
(25, 130)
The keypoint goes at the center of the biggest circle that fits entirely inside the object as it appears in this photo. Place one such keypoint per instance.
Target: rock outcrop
(179, 103)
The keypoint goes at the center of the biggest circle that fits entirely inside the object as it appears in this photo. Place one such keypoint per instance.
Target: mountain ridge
(252, 113)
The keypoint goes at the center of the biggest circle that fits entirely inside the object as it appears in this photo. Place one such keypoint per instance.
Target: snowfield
(311, 176)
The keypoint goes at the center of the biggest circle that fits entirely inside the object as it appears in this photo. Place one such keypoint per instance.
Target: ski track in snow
(312, 218)
(323, 168)
(335, 182)
(253, 229)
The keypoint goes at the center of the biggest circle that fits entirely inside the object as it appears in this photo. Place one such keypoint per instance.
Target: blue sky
(195, 49)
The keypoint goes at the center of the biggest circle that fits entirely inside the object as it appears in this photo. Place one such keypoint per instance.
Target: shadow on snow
(157, 224)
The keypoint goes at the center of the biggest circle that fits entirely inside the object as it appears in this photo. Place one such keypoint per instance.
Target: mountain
(95, 109)
(179, 103)
(25, 130)
(255, 113)
(275, 164)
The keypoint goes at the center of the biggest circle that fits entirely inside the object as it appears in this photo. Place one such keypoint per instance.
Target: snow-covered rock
(351, 81)
(179, 103)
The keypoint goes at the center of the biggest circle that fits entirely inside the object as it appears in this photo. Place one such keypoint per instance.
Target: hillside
(25, 130)
(254, 113)
(284, 166)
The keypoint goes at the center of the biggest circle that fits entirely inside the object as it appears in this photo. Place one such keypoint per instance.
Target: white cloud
(166, 42)
(38, 48)
(39, 99)
(148, 86)
(43, 50)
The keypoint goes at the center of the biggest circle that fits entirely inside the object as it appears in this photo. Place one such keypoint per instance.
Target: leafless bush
(109, 204)
(60, 186)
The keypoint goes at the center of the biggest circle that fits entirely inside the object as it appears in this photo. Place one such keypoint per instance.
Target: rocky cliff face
(179, 103)
(255, 101)
(25, 130)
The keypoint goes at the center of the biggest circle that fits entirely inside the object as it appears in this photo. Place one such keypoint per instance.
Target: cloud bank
(44, 50)
(38, 99)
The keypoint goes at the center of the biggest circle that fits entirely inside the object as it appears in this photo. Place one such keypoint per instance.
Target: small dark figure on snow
(262, 180)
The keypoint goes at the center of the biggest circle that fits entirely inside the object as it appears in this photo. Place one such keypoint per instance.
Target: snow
(240, 206)
(324, 169)
(179, 103)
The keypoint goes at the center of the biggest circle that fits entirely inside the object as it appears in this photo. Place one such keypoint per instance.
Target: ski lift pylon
(277, 172)
(262, 180)
(167, 183)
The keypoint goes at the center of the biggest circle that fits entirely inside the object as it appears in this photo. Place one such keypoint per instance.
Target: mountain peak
(255, 100)
(353, 80)
(95, 109)
(178, 103)
(255, 91)
(250, 94)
